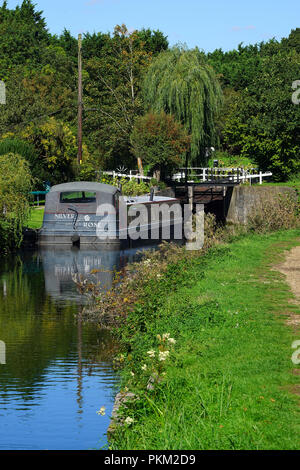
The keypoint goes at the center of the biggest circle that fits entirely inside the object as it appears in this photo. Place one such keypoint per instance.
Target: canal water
(56, 371)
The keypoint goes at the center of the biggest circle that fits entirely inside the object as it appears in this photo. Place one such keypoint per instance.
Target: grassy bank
(35, 220)
(225, 383)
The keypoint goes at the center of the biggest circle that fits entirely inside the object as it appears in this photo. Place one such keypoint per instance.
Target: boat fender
(75, 238)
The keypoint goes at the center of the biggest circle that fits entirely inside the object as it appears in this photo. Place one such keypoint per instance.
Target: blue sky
(204, 23)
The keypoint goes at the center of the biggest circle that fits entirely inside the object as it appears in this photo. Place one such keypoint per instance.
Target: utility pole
(79, 138)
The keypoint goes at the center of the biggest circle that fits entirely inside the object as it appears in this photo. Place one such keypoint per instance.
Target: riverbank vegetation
(207, 356)
(15, 185)
(205, 360)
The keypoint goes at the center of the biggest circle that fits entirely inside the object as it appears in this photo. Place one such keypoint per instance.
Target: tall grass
(226, 382)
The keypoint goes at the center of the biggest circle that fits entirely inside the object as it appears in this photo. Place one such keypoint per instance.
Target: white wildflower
(151, 353)
(172, 340)
(128, 421)
(166, 335)
(162, 355)
(144, 367)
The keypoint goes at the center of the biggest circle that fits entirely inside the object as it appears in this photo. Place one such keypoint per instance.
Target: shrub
(15, 185)
(281, 212)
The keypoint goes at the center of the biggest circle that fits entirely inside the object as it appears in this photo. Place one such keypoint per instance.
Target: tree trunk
(140, 166)
(157, 174)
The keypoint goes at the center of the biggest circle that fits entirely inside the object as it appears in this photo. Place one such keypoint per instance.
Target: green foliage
(23, 35)
(227, 160)
(15, 185)
(56, 149)
(126, 73)
(263, 123)
(225, 384)
(179, 82)
(28, 152)
(160, 142)
(129, 188)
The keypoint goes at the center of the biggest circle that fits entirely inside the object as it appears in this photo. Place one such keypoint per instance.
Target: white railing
(202, 175)
(133, 174)
(234, 175)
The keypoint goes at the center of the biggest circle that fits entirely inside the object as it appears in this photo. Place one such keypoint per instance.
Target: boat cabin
(74, 211)
(71, 212)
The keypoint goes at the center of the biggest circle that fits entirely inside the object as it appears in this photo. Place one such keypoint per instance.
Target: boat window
(79, 197)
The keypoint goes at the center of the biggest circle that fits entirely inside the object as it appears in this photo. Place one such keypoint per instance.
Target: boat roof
(85, 186)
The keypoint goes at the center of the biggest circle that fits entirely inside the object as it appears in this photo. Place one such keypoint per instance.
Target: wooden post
(79, 138)
(191, 196)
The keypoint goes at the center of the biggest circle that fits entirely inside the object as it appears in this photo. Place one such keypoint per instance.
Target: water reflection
(58, 369)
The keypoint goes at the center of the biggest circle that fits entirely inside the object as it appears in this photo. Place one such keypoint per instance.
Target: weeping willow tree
(179, 82)
(15, 186)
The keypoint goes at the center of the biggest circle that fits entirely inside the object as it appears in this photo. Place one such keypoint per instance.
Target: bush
(281, 212)
(231, 161)
(15, 185)
(129, 188)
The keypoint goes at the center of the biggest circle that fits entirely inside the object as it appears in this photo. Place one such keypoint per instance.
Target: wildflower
(151, 353)
(158, 337)
(172, 340)
(132, 373)
(128, 421)
(144, 367)
(101, 411)
(166, 335)
(162, 355)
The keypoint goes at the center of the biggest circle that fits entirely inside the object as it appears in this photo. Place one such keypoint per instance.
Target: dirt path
(291, 269)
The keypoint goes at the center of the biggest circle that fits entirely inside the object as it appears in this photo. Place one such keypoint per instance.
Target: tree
(113, 93)
(23, 35)
(179, 82)
(56, 149)
(15, 185)
(263, 123)
(160, 142)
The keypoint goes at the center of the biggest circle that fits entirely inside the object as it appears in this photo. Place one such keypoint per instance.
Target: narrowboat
(88, 213)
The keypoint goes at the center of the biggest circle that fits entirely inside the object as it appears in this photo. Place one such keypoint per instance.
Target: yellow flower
(101, 411)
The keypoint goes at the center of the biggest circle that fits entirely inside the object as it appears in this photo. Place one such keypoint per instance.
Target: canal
(56, 372)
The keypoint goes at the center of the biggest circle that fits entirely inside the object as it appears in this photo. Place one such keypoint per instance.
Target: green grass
(290, 184)
(227, 384)
(36, 218)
